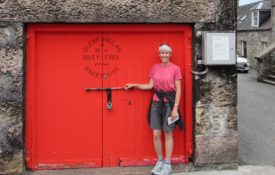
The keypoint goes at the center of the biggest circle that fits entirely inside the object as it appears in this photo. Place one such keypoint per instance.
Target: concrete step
(269, 81)
(271, 77)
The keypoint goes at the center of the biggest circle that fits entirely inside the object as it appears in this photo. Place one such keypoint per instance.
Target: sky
(243, 2)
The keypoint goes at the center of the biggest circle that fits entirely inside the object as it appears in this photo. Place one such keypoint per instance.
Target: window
(264, 45)
(244, 52)
(255, 19)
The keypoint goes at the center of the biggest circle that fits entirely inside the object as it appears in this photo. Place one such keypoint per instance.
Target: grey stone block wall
(273, 20)
(254, 41)
(11, 101)
(215, 122)
(216, 118)
(131, 11)
(215, 114)
(265, 67)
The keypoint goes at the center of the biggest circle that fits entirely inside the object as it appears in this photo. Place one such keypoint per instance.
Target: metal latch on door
(109, 94)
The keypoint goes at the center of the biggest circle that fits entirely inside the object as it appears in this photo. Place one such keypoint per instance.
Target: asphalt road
(256, 120)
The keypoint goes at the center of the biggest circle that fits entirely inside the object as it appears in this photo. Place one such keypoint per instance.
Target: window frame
(253, 16)
(264, 45)
(244, 49)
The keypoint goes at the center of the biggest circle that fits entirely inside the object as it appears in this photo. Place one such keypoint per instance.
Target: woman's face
(164, 56)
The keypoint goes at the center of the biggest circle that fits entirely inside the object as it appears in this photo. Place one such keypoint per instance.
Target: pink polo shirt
(164, 77)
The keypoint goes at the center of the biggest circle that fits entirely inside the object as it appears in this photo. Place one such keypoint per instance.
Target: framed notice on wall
(219, 48)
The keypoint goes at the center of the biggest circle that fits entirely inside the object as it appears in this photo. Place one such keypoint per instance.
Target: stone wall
(131, 11)
(254, 41)
(273, 20)
(215, 116)
(265, 67)
(216, 100)
(11, 101)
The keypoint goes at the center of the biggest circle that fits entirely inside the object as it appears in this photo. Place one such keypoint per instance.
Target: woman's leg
(168, 145)
(157, 142)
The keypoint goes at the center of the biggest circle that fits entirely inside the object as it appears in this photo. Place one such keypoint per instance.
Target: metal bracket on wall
(109, 94)
(109, 99)
(197, 73)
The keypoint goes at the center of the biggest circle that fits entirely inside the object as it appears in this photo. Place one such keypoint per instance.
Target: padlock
(109, 105)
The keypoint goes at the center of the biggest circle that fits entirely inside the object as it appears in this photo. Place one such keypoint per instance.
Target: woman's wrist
(175, 108)
(135, 86)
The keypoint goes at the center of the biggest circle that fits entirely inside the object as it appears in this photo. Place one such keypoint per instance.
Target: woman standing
(165, 78)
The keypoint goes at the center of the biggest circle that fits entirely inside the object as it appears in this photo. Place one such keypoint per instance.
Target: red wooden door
(69, 127)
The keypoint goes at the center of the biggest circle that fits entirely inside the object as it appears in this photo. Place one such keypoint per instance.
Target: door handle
(102, 89)
(109, 94)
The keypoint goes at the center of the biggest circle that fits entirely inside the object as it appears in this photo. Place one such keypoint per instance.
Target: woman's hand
(174, 114)
(129, 86)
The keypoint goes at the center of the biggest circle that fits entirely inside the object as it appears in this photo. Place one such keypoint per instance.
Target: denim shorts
(158, 123)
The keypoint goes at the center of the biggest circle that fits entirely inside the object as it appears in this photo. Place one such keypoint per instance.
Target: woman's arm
(177, 99)
(148, 86)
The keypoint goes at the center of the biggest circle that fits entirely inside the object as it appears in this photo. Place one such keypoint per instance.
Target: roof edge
(253, 30)
(250, 4)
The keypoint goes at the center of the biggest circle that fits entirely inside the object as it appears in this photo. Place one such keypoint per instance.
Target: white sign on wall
(218, 48)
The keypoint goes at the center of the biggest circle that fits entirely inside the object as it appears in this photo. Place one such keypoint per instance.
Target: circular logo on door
(101, 56)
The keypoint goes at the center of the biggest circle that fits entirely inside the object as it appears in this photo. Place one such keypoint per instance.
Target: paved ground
(256, 120)
(139, 170)
(243, 170)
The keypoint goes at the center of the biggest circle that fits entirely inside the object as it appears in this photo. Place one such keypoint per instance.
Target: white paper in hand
(170, 121)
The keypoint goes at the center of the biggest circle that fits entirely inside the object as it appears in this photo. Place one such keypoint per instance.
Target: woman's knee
(157, 134)
(168, 135)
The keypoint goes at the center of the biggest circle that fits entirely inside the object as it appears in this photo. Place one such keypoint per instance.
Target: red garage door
(67, 126)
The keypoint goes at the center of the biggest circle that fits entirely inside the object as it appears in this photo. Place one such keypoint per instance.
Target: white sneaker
(166, 169)
(157, 167)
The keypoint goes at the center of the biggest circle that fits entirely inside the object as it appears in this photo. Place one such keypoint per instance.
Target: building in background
(255, 37)
(254, 29)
